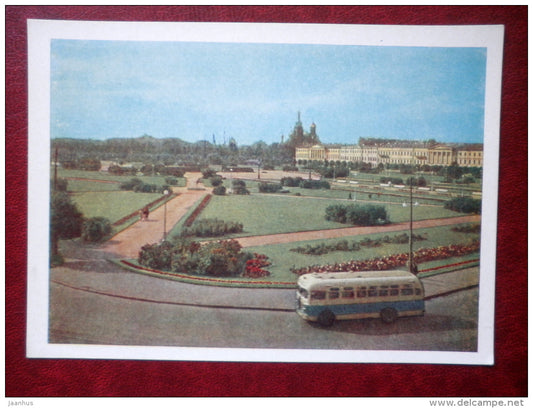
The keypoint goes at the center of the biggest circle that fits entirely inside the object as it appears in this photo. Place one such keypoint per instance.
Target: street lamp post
(411, 269)
(166, 192)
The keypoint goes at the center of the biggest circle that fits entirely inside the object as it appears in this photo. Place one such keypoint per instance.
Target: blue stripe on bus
(363, 308)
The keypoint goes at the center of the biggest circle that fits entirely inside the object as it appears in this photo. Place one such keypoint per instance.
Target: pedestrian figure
(145, 214)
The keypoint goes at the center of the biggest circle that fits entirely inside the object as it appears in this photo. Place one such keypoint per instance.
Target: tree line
(86, 154)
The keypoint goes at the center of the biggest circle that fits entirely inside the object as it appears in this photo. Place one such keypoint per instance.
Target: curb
(168, 302)
(200, 280)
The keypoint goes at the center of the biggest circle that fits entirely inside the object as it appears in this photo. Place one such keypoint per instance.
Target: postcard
(262, 192)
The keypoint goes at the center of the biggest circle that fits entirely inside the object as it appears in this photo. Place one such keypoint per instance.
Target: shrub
(61, 184)
(131, 185)
(145, 188)
(147, 169)
(163, 188)
(173, 181)
(208, 173)
(95, 229)
(239, 187)
(366, 215)
(66, 220)
(291, 181)
(355, 214)
(464, 204)
(215, 258)
(171, 171)
(216, 181)
(471, 228)
(239, 190)
(269, 187)
(238, 183)
(337, 213)
(219, 190)
(212, 227)
(118, 170)
(315, 184)
(157, 256)
(330, 172)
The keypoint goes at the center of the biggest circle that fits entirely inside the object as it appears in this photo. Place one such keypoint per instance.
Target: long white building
(397, 152)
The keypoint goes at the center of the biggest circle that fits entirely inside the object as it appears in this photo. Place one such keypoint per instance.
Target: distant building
(395, 152)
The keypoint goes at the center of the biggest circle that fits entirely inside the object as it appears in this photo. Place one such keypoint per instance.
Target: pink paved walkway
(128, 242)
(350, 231)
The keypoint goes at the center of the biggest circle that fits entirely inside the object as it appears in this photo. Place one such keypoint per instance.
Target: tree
(65, 221)
(219, 190)
(95, 229)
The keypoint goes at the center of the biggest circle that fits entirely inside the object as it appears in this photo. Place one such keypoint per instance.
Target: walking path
(350, 231)
(127, 243)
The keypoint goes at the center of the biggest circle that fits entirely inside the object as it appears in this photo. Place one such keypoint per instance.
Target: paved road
(99, 276)
(80, 317)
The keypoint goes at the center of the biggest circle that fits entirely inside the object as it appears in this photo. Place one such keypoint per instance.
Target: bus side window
(394, 290)
(383, 290)
(372, 291)
(418, 291)
(348, 293)
(333, 293)
(361, 292)
(318, 294)
(407, 290)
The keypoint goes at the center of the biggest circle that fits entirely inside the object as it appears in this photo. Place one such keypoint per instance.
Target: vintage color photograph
(264, 192)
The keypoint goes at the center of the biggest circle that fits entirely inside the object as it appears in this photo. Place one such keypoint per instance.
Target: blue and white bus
(329, 296)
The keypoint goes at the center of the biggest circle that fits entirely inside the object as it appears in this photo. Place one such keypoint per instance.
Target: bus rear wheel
(389, 315)
(326, 318)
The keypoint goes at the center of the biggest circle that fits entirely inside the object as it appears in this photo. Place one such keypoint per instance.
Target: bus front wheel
(389, 315)
(326, 318)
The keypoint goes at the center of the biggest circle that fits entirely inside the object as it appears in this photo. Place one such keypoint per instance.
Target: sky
(253, 92)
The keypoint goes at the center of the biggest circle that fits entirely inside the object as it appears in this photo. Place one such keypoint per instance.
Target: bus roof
(336, 277)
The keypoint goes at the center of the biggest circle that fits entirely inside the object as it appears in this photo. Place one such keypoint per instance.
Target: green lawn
(283, 259)
(88, 185)
(263, 214)
(112, 205)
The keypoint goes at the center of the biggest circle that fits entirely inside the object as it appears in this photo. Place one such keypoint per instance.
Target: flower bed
(393, 261)
(346, 246)
(202, 280)
(254, 267)
(198, 210)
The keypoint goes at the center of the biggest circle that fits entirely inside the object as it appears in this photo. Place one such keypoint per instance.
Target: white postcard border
(40, 34)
